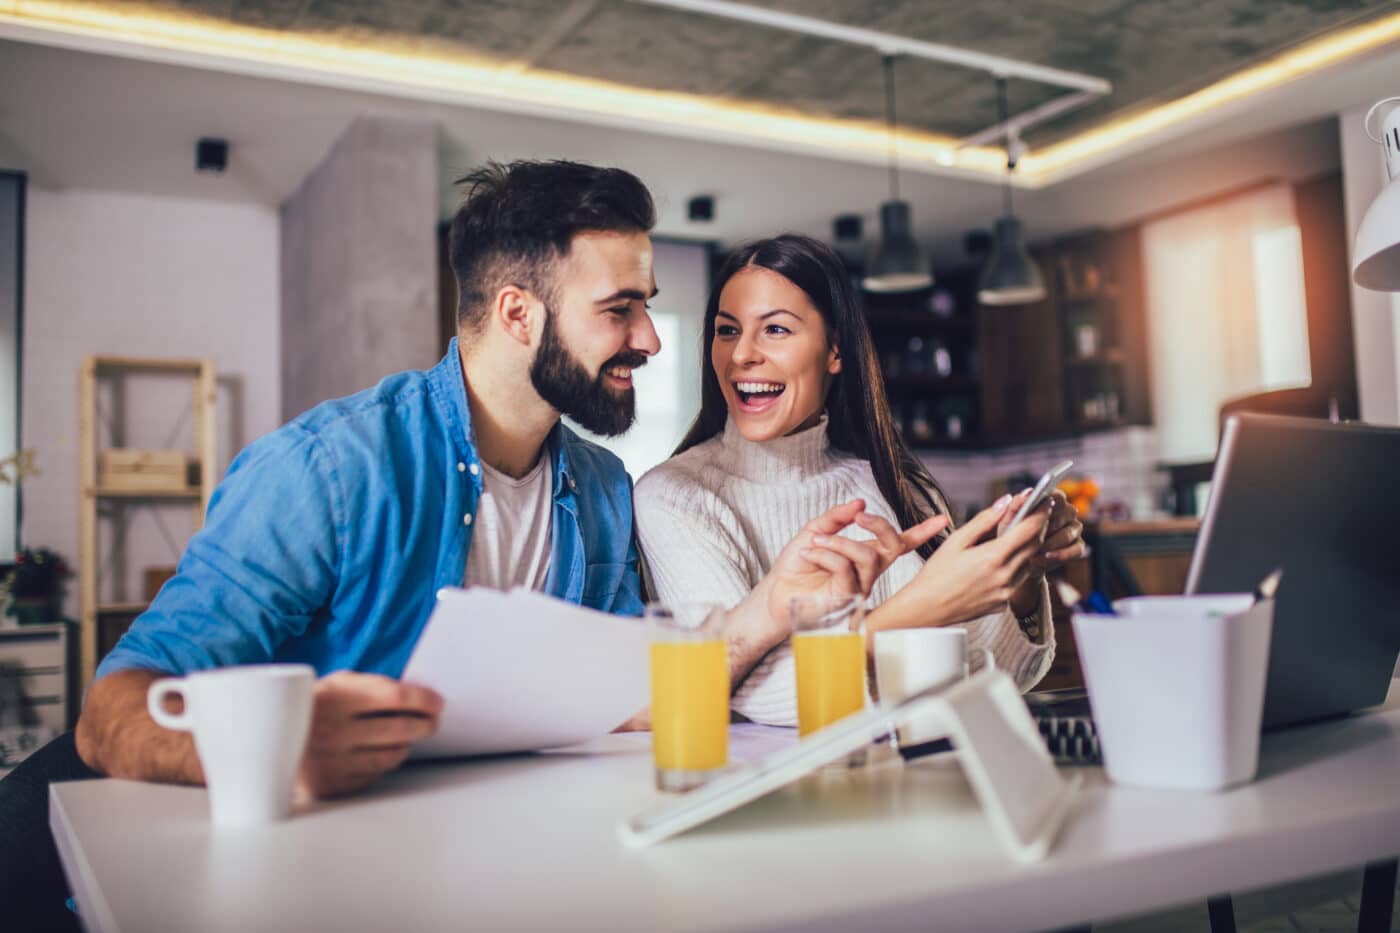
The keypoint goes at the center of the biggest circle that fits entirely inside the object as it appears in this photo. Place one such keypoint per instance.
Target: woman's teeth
(747, 390)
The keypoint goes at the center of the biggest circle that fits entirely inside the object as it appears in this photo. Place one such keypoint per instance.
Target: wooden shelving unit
(91, 496)
(927, 345)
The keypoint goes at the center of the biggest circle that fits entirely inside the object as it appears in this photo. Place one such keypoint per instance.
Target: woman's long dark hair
(858, 413)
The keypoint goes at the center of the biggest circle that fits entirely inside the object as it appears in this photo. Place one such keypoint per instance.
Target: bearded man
(329, 538)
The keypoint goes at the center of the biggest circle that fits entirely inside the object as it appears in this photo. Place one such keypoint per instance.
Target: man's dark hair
(518, 220)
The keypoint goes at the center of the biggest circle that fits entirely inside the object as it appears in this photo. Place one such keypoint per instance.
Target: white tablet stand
(994, 739)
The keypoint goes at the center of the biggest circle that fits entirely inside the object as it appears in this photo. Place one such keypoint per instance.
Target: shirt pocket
(601, 582)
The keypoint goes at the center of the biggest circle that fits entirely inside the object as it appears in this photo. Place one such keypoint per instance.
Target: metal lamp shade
(1011, 277)
(1376, 258)
(898, 265)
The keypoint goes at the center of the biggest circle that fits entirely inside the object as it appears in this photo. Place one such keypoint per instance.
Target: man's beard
(563, 382)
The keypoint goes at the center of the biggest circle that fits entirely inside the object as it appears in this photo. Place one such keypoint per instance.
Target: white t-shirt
(512, 530)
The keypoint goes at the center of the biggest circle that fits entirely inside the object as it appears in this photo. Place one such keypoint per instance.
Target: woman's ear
(833, 360)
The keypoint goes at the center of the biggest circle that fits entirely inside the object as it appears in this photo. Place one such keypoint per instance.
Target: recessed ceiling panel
(1151, 50)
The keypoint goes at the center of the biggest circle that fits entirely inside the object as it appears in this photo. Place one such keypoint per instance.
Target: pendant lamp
(1011, 277)
(1376, 257)
(898, 264)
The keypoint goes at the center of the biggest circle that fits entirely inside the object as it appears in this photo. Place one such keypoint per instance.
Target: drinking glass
(828, 647)
(689, 694)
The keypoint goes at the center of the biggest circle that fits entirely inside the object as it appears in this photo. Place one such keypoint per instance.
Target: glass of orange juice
(689, 694)
(828, 646)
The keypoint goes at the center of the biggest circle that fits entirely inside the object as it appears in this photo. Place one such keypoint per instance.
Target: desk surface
(530, 843)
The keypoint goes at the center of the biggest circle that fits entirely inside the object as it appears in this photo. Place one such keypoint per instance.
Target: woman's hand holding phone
(1063, 542)
(973, 572)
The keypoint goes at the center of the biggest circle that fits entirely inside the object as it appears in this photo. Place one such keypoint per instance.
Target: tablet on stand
(994, 738)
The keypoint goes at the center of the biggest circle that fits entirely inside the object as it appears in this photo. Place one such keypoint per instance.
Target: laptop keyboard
(1067, 724)
(1071, 739)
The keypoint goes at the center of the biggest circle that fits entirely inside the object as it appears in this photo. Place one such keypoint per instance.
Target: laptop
(1322, 501)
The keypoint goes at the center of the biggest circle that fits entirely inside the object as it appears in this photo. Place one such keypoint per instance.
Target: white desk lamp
(1376, 258)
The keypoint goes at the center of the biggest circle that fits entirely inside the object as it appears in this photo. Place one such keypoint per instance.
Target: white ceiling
(81, 120)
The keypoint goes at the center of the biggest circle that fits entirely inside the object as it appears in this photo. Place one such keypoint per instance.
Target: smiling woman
(771, 354)
(793, 480)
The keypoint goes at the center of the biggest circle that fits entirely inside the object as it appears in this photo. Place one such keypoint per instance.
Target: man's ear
(515, 309)
(833, 360)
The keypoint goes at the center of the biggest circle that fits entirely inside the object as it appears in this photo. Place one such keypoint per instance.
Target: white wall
(149, 276)
(1375, 315)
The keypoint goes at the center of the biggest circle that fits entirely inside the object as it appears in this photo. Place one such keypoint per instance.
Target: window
(1226, 312)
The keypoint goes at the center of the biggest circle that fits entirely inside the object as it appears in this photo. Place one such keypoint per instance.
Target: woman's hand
(761, 621)
(1064, 537)
(970, 575)
(1063, 543)
(889, 544)
(802, 568)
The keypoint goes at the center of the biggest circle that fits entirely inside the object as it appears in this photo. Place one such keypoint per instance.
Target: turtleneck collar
(782, 459)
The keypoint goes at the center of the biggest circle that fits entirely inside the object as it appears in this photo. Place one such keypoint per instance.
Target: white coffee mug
(250, 726)
(913, 659)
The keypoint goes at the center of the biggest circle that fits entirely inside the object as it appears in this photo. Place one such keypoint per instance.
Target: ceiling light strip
(199, 42)
(1086, 149)
(887, 43)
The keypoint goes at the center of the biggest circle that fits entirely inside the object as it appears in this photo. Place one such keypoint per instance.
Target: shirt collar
(557, 444)
(449, 391)
(449, 387)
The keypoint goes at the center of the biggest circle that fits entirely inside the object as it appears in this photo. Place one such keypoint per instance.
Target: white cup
(250, 726)
(913, 659)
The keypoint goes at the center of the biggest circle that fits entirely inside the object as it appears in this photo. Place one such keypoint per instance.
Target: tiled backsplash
(1122, 462)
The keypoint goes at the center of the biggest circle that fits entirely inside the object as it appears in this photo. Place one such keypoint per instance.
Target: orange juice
(830, 677)
(690, 705)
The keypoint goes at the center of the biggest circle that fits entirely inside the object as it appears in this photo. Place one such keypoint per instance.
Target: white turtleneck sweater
(712, 520)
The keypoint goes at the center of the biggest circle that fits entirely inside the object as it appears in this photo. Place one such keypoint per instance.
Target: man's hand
(361, 728)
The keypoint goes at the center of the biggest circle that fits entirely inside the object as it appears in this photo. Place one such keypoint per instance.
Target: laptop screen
(1321, 501)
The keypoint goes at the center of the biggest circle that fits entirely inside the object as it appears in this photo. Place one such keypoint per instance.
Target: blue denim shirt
(329, 538)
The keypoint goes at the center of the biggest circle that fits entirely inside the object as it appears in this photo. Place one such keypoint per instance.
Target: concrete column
(359, 263)
(1376, 314)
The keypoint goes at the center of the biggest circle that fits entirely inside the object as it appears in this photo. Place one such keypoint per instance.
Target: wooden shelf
(1156, 526)
(102, 620)
(1110, 358)
(901, 386)
(109, 365)
(947, 443)
(189, 492)
(121, 609)
(917, 321)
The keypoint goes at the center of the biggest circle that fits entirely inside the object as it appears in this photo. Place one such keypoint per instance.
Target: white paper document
(521, 671)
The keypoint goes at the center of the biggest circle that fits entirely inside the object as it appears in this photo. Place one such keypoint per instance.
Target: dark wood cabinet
(963, 375)
(930, 351)
(1022, 372)
(1097, 290)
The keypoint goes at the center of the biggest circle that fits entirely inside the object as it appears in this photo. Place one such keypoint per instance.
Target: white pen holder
(1177, 687)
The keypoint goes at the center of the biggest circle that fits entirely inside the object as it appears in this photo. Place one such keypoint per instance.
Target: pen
(1096, 603)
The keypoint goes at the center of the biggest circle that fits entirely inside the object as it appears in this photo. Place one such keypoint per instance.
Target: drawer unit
(39, 658)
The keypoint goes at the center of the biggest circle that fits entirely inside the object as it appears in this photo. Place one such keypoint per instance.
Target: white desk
(530, 844)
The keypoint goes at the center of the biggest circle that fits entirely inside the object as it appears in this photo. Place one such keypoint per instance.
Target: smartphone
(1042, 490)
